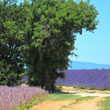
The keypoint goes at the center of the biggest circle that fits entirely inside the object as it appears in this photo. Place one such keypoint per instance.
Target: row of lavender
(97, 78)
(12, 97)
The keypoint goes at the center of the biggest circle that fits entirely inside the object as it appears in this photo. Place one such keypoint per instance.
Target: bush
(74, 86)
(82, 87)
(92, 88)
(105, 88)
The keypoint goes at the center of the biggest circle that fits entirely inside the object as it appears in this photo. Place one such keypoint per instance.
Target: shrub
(74, 86)
(92, 88)
(82, 87)
(105, 88)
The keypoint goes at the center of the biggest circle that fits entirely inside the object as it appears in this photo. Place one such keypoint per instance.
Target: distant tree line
(41, 35)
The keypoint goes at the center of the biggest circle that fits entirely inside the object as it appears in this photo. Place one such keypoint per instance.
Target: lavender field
(88, 78)
(13, 97)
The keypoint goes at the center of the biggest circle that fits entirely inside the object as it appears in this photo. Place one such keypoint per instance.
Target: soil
(68, 105)
(86, 105)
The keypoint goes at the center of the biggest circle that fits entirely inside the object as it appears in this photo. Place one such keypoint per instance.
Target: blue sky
(95, 47)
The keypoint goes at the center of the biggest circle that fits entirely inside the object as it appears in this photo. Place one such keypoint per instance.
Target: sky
(95, 47)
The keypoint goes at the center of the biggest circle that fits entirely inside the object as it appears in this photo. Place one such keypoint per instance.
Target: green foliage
(54, 27)
(28, 105)
(41, 35)
(105, 88)
(82, 87)
(11, 42)
(92, 88)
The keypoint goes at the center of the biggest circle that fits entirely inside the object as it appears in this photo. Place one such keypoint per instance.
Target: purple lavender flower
(97, 78)
(11, 97)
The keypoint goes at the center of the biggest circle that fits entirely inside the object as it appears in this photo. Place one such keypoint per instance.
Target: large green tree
(54, 26)
(40, 34)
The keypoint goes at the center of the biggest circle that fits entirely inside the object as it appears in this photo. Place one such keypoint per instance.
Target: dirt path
(85, 92)
(68, 105)
(85, 105)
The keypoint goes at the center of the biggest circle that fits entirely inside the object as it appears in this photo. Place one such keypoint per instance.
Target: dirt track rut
(68, 105)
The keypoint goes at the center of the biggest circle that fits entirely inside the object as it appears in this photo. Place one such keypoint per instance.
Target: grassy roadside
(105, 104)
(67, 97)
(67, 100)
(53, 97)
(33, 102)
(61, 96)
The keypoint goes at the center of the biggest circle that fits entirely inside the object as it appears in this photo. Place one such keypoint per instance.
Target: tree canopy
(41, 34)
(11, 60)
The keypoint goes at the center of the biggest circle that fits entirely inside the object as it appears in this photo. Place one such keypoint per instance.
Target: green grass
(105, 104)
(62, 96)
(36, 99)
(83, 98)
